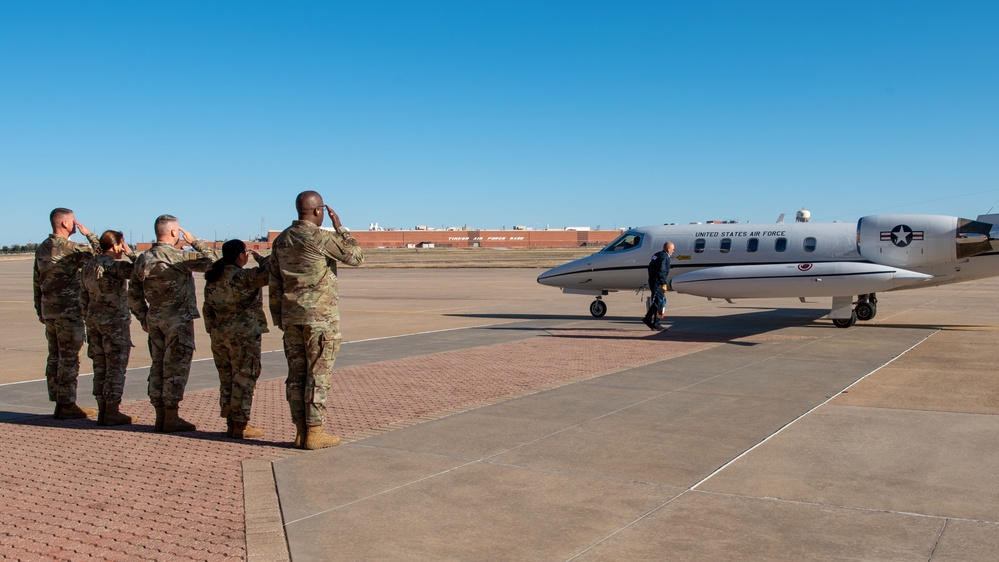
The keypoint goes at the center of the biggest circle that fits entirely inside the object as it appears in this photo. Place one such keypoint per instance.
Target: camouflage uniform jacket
(234, 302)
(103, 298)
(303, 284)
(162, 283)
(56, 276)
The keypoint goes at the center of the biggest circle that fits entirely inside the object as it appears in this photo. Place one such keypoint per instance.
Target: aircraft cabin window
(780, 244)
(699, 246)
(726, 245)
(627, 241)
(810, 244)
(752, 244)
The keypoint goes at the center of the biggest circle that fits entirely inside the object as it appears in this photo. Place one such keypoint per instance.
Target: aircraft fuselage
(877, 253)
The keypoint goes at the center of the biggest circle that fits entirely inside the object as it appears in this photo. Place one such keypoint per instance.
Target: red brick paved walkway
(70, 490)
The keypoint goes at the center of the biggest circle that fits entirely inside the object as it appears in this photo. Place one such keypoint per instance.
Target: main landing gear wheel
(865, 311)
(598, 308)
(846, 322)
(867, 307)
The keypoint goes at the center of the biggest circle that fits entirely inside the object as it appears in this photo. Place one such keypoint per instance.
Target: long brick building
(479, 238)
(461, 239)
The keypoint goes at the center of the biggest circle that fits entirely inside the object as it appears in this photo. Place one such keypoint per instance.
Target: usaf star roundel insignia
(902, 235)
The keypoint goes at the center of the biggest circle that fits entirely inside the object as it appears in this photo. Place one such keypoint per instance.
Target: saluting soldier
(304, 304)
(105, 307)
(161, 296)
(56, 282)
(234, 317)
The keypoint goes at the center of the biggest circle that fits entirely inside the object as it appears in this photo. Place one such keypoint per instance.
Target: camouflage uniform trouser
(171, 346)
(237, 358)
(65, 337)
(311, 351)
(109, 348)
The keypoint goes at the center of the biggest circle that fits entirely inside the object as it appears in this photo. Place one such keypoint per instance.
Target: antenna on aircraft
(780, 219)
(803, 215)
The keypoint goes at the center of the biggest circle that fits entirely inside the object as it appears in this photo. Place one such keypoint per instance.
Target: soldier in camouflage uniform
(303, 303)
(105, 308)
(234, 317)
(56, 281)
(161, 296)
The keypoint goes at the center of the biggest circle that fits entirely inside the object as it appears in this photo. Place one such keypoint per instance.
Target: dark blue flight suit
(658, 270)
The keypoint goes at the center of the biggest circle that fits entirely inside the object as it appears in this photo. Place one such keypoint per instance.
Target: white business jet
(850, 262)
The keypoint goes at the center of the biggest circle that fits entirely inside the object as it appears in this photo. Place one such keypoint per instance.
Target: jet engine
(920, 240)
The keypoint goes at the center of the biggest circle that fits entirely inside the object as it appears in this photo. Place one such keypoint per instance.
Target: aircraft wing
(801, 280)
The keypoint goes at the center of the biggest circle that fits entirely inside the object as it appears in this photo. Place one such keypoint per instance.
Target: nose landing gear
(598, 308)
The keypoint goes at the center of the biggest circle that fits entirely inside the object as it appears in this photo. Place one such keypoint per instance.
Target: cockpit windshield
(625, 242)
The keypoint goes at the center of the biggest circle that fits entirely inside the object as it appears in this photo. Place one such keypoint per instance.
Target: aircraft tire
(866, 311)
(598, 308)
(846, 322)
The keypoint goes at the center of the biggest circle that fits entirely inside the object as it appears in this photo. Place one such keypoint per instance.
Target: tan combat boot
(316, 438)
(243, 430)
(160, 413)
(172, 422)
(112, 416)
(300, 431)
(100, 411)
(72, 412)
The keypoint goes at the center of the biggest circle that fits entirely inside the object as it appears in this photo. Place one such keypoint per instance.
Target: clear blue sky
(493, 114)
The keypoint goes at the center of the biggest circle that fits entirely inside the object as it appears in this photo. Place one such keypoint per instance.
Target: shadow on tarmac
(749, 321)
(47, 421)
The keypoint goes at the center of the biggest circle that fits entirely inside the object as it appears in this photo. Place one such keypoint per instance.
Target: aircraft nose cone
(548, 277)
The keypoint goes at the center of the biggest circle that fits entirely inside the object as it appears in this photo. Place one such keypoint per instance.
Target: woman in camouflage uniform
(234, 317)
(105, 308)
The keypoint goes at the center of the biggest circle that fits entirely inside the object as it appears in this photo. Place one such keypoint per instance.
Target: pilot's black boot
(650, 320)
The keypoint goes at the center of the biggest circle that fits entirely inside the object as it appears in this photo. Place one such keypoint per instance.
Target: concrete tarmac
(489, 418)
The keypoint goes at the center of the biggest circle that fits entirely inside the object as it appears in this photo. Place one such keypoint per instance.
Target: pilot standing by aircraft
(658, 271)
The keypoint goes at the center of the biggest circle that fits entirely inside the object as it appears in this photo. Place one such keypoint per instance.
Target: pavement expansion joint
(847, 507)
